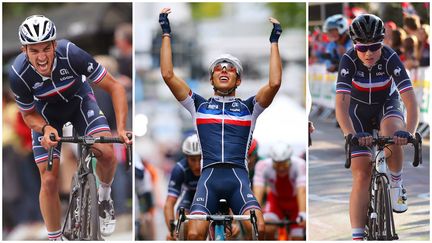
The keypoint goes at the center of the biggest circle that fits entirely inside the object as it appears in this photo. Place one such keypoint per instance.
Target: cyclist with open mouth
(49, 88)
(224, 125)
(371, 81)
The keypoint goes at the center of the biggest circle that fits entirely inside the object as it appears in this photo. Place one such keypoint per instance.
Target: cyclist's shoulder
(19, 65)
(350, 55)
(181, 166)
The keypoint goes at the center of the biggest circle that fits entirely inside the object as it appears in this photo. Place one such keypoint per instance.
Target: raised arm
(178, 86)
(266, 94)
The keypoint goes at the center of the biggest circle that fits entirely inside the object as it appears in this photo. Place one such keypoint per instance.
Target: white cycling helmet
(280, 152)
(227, 58)
(337, 21)
(36, 29)
(191, 145)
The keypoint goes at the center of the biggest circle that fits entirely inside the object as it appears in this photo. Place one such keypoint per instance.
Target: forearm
(119, 100)
(301, 199)
(342, 113)
(166, 59)
(34, 120)
(275, 74)
(168, 213)
(259, 194)
(412, 109)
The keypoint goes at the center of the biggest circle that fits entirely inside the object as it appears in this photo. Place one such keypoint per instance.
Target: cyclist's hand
(46, 141)
(164, 22)
(235, 231)
(364, 138)
(123, 134)
(301, 219)
(171, 237)
(401, 137)
(276, 31)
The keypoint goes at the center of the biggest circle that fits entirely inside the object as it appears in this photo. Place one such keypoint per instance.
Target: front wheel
(385, 212)
(90, 212)
(71, 225)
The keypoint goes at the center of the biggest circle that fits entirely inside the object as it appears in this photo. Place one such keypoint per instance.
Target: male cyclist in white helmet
(49, 88)
(183, 181)
(283, 178)
(224, 126)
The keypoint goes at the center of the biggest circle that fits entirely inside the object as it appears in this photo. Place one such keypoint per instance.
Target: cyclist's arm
(301, 198)
(36, 122)
(178, 86)
(259, 193)
(169, 210)
(412, 108)
(266, 94)
(119, 100)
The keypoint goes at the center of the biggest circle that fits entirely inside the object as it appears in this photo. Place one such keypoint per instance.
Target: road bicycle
(380, 222)
(82, 217)
(221, 221)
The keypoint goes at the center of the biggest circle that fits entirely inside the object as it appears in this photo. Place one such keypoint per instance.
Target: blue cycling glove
(164, 23)
(402, 134)
(275, 34)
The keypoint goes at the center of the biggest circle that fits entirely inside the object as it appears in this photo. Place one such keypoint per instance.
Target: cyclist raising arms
(285, 175)
(370, 81)
(224, 126)
(49, 88)
(183, 181)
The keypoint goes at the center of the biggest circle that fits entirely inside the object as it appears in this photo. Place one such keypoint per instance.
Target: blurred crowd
(21, 181)
(410, 39)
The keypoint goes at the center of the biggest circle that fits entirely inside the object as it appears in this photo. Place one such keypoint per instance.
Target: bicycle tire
(90, 212)
(71, 225)
(385, 214)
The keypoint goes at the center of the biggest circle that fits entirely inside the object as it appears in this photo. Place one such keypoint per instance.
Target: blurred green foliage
(20, 9)
(289, 14)
(206, 10)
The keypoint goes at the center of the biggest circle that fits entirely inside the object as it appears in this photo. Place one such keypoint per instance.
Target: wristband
(43, 128)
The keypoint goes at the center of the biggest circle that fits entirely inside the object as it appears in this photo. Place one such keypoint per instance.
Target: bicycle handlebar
(183, 217)
(383, 141)
(89, 140)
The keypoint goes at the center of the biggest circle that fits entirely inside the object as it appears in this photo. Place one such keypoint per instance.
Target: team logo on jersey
(172, 183)
(235, 104)
(379, 66)
(90, 113)
(37, 85)
(397, 71)
(90, 67)
(360, 73)
(344, 72)
(64, 71)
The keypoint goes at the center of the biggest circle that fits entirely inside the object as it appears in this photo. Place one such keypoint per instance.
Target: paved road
(330, 186)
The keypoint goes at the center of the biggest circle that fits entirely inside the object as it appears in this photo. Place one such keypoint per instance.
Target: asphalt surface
(330, 186)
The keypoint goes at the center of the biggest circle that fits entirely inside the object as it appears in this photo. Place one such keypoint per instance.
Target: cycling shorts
(278, 209)
(223, 181)
(366, 118)
(82, 111)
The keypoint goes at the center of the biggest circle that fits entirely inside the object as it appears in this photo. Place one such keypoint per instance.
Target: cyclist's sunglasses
(371, 47)
(228, 67)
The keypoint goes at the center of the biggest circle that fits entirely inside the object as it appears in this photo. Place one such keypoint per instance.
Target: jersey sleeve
(396, 69)
(84, 64)
(254, 106)
(21, 90)
(192, 102)
(346, 72)
(176, 181)
(259, 176)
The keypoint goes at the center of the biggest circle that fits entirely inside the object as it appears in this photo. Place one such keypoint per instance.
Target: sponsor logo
(67, 77)
(235, 110)
(235, 104)
(379, 66)
(64, 71)
(172, 183)
(90, 67)
(213, 107)
(360, 73)
(397, 71)
(380, 73)
(90, 113)
(200, 199)
(37, 85)
(344, 72)
(389, 107)
(249, 195)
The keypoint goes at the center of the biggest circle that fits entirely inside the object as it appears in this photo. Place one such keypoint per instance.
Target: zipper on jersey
(370, 85)
(57, 91)
(223, 128)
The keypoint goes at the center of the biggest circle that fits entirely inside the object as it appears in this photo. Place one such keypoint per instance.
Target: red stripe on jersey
(374, 89)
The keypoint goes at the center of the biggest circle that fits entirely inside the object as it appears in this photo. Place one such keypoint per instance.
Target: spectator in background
(397, 37)
(411, 23)
(390, 26)
(410, 50)
(123, 42)
(336, 27)
(424, 48)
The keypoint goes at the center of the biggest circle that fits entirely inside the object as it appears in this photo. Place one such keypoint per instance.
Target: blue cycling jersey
(70, 68)
(331, 49)
(182, 178)
(224, 126)
(376, 84)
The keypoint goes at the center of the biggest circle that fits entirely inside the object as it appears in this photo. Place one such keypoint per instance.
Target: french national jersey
(224, 126)
(70, 68)
(376, 84)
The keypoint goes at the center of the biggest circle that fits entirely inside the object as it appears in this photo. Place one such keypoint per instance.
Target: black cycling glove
(164, 23)
(275, 34)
